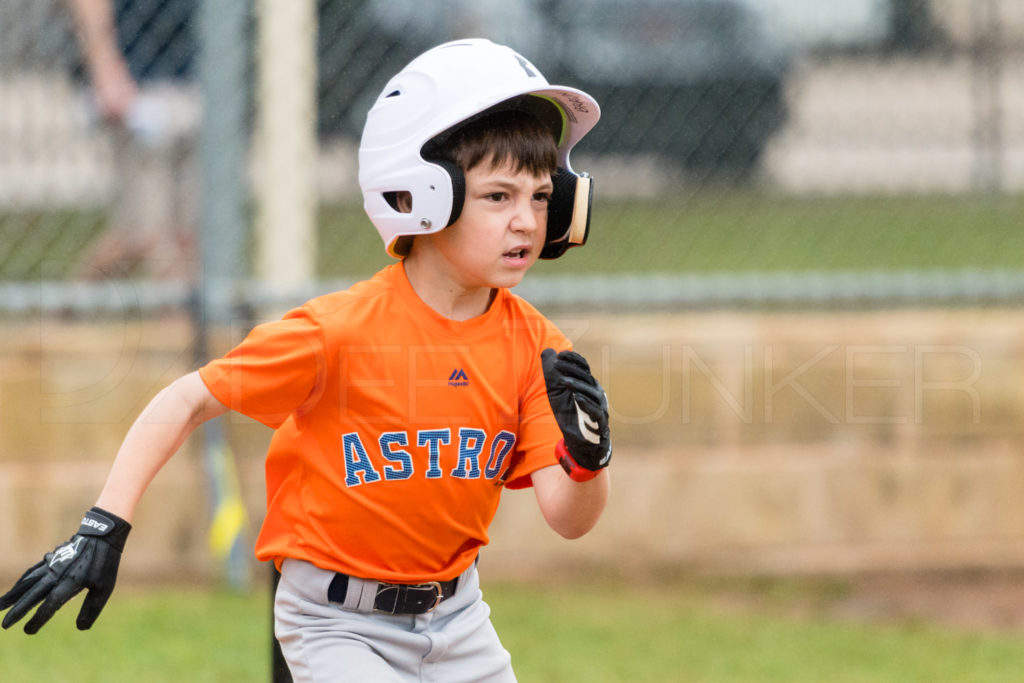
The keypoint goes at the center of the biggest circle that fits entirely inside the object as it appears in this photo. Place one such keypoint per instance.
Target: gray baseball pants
(325, 641)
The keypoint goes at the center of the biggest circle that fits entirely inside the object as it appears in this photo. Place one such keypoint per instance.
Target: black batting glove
(581, 409)
(88, 561)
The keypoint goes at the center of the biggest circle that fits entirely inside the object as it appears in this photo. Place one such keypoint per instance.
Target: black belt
(399, 598)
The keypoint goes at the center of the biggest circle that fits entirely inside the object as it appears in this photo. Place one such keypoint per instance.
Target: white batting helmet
(441, 88)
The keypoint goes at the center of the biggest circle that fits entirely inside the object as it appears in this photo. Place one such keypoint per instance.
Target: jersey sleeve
(277, 370)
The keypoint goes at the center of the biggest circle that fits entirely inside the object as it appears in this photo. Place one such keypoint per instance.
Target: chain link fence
(768, 154)
(773, 144)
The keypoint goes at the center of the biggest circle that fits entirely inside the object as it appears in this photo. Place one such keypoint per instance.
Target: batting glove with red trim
(581, 408)
(89, 560)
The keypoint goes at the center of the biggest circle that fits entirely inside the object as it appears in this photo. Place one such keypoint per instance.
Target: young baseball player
(403, 406)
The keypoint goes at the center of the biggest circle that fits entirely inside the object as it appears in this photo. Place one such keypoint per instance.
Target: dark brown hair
(502, 137)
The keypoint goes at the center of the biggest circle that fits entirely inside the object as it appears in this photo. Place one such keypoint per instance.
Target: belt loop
(365, 594)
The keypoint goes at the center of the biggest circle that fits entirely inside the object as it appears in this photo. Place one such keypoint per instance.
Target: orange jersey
(396, 428)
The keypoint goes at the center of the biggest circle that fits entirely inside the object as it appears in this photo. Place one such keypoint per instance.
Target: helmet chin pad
(568, 210)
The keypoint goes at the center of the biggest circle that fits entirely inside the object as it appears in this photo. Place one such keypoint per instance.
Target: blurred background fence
(784, 136)
(813, 170)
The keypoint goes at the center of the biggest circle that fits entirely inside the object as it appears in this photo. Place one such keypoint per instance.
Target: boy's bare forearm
(155, 436)
(570, 508)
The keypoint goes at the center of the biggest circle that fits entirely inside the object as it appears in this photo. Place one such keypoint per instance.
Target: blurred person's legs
(152, 227)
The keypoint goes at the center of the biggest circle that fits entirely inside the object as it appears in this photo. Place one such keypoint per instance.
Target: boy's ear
(568, 213)
(399, 200)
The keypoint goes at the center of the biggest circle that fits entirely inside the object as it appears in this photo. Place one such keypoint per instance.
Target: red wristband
(569, 464)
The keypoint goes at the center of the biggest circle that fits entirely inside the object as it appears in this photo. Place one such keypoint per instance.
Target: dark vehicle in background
(697, 82)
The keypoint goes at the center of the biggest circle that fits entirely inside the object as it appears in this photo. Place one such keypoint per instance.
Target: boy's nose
(525, 218)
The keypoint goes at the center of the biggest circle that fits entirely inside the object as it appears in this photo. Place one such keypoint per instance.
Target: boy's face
(501, 229)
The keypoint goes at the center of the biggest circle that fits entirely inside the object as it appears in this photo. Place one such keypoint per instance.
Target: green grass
(45, 244)
(702, 232)
(751, 232)
(594, 631)
(641, 635)
(147, 637)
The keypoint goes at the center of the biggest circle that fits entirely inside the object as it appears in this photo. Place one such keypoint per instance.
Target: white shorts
(324, 642)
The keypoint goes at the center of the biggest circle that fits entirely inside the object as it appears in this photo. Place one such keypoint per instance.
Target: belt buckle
(402, 592)
(436, 585)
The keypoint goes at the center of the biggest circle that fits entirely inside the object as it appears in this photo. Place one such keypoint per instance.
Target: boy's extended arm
(89, 560)
(155, 436)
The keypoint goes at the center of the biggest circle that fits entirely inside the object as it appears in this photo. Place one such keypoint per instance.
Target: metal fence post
(222, 218)
(286, 144)
(987, 54)
(286, 153)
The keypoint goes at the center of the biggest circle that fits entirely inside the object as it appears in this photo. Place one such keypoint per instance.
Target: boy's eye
(542, 197)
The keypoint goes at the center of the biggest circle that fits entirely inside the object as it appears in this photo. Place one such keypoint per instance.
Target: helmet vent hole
(393, 93)
(399, 200)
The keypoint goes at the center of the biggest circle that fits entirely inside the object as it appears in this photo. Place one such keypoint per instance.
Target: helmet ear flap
(568, 213)
(458, 179)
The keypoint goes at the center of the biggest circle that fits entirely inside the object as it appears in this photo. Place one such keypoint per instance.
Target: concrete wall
(745, 442)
